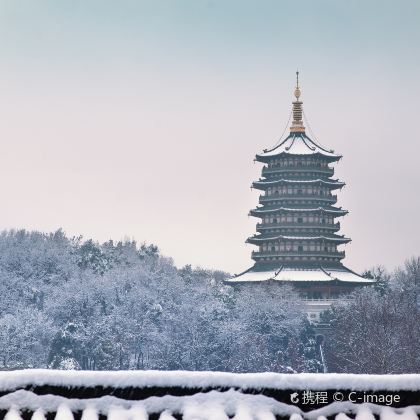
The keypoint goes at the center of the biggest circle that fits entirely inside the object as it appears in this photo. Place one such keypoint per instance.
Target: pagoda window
(300, 220)
(300, 192)
(276, 192)
(273, 249)
(274, 220)
(323, 221)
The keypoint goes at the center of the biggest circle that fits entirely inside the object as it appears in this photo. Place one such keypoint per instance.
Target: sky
(141, 119)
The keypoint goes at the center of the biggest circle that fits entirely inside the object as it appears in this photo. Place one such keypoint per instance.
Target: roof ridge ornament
(297, 123)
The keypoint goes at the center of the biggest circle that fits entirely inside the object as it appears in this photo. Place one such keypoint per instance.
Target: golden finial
(297, 124)
(297, 90)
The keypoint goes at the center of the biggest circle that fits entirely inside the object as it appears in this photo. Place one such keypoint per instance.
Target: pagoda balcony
(256, 255)
(328, 300)
(330, 199)
(281, 225)
(294, 169)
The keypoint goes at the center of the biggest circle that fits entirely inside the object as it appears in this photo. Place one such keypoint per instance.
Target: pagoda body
(298, 236)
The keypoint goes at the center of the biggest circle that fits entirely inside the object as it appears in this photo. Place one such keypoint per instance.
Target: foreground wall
(139, 395)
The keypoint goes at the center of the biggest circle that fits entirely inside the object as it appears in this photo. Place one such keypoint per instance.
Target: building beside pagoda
(298, 235)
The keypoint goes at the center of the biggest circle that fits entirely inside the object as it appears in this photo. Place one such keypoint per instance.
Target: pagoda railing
(281, 225)
(289, 197)
(274, 169)
(329, 254)
(319, 300)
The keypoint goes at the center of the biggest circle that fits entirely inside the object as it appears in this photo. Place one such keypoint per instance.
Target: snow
(90, 413)
(295, 274)
(15, 380)
(263, 210)
(300, 181)
(331, 238)
(213, 405)
(64, 413)
(13, 414)
(347, 276)
(302, 275)
(39, 415)
(254, 276)
(299, 144)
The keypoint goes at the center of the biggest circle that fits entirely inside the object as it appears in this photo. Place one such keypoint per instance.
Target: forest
(71, 303)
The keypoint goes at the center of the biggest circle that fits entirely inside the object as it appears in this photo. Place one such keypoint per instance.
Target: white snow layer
(298, 145)
(213, 405)
(14, 380)
(288, 274)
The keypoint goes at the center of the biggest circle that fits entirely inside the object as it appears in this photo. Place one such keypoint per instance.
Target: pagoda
(298, 236)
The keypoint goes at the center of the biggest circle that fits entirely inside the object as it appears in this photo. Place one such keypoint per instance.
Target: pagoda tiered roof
(297, 144)
(257, 239)
(261, 227)
(303, 208)
(262, 184)
(339, 273)
(301, 244)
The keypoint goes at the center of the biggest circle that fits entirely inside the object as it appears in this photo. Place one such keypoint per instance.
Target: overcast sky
(141, 119)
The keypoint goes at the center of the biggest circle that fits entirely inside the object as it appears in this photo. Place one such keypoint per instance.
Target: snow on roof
(300, 274)
(299, 144)
(18, 379)
(213, 405)
(266, 237)
(348, 276)
(208, 395)
(301, 181)
(249, 276)
(327, 210)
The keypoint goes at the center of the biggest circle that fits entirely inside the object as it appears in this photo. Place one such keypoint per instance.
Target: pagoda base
(319, 286)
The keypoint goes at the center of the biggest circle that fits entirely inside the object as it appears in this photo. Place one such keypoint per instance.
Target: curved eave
(263, 158)
(297, 145)
(261, 211)
(263, 184)
(256, 240)
(303, 276)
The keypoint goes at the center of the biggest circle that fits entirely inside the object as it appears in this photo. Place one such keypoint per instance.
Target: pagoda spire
(297, 123)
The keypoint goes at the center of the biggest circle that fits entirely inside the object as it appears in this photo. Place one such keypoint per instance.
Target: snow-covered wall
(139, 395)
(123, 379)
